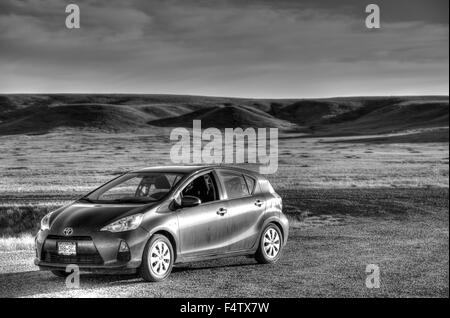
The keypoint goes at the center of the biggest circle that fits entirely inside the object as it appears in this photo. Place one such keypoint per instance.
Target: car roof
(193, 169)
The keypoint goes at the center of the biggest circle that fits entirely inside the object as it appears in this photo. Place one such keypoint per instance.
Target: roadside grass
(18, 219)
(358, 202)
(17, 243)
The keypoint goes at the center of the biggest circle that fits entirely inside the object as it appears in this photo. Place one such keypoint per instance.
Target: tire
(270, 245)
(60, 273)
(156, 266)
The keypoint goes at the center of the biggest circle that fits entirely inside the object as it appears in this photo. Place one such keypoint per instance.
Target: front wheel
(157, 260)
(269, 249)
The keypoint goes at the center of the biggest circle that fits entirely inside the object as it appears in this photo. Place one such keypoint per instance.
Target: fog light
(124, 252)
(123, 247)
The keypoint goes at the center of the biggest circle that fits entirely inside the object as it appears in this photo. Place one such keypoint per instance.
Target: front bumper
(96, 251)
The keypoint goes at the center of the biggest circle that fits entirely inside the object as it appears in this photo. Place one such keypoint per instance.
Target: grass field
(43, 172)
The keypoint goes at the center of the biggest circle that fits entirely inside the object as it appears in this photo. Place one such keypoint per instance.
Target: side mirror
(190, 201)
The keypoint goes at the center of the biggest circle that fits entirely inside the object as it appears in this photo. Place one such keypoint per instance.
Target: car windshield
(137, 187)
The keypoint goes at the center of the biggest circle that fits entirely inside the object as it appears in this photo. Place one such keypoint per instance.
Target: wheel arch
(277, 222)
(278, 225)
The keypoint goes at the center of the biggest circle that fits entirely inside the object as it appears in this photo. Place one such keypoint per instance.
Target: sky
(251, 48)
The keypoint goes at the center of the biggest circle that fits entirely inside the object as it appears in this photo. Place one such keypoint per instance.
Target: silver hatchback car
(147, 220)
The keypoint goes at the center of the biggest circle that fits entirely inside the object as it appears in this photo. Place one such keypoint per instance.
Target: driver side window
(203, 187)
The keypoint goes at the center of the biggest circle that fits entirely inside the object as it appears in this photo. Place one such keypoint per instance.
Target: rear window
(235, 185)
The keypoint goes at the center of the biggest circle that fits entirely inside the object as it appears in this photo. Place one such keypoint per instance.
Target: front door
(203, 228)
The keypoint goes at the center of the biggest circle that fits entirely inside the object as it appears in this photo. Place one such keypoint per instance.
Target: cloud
(251, 48)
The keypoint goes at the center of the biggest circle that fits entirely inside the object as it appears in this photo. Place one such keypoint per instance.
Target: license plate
(67, 248)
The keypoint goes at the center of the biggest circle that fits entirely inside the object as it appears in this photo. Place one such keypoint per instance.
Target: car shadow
(41, 283)
(45, 284)
(208, 265)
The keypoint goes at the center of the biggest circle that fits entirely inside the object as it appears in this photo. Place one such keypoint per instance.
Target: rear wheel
(269, 249)
(157, 260)
(60, 273)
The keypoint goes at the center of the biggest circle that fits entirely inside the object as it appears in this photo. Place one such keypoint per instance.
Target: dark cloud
(226, 47)
(428, 11)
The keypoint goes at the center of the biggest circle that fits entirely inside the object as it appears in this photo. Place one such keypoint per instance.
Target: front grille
(87, 253)
(86, 259)
(69, 238)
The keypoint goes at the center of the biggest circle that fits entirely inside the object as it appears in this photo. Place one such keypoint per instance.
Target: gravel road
(322, 261)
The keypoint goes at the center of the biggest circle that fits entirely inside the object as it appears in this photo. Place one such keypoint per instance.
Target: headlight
(125, 224)
(45, 222)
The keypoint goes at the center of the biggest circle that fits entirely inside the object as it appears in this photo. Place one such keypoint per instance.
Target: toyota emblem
(68, 231)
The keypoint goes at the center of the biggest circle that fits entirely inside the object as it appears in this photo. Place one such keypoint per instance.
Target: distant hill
(226, 116)
(352, 116)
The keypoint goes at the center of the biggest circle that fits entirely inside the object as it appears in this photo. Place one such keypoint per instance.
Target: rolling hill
(225, 116)
(352, 116)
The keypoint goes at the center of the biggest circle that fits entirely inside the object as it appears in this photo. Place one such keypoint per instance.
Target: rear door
(245, 209)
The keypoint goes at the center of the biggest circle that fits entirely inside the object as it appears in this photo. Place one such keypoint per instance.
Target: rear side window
(250, 184)
(235, 184)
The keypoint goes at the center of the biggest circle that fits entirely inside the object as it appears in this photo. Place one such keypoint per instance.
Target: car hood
(84, 218)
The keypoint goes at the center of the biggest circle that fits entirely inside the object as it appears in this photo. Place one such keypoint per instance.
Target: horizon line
(233, 97)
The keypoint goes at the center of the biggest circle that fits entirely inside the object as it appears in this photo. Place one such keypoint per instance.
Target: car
(147, 220)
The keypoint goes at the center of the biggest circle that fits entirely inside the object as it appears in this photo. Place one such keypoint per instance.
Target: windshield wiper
(130, 200)
(86, 200)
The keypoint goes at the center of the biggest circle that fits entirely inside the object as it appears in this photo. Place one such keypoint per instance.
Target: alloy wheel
(159, 258)
(271, 243)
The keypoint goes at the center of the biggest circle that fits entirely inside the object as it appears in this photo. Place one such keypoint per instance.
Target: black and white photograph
(225, 154)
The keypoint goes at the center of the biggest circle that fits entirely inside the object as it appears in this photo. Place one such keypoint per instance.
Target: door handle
(222, 211)
(258, 203)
